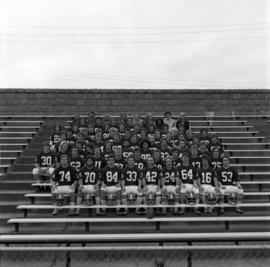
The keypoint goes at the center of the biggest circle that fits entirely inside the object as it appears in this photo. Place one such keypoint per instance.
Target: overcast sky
(134, 44)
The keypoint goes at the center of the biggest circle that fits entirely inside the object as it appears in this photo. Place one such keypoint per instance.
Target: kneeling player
(151, 183)
(229, 183)
(64, 182)
(131, 183)
(208, 184)
(89, 181)
(44, 165)
(188, 183)
(110, 184)
(170, 184)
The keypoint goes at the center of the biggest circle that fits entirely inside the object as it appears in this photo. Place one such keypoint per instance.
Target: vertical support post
(68, 257)
(189, 256)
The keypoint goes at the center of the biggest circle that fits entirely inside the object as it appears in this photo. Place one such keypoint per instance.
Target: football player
(216, 160)
(151, 181)
(164, 150)
(131, 183)
(170, 182)
(208, 183)
(188, 182)
(55, 137)
(169, 120)
(89, 182)
(111, 183)
(76, 161)
(196, 161)
(229, 183)
(100, 162)
(139, 162)
(118, 159)
(63, 183)
(44, 165)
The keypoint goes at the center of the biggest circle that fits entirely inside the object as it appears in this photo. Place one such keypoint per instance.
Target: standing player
(63, 182)
(76, 161)
(139, 162)
(208, 182)
(216, 160)
(44, 165)
(170, 182)
(89, 182)
(229, 183)
(111, 182)
(188, 182)
(151, 181)
(118, 160)
(131, 182)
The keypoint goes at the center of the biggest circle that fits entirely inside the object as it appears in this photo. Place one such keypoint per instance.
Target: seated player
(170, 183)
(151, 182)
(63, 183)
(229, 183)
(110, 183)
(188, 182)
(208, 183)
(89, 182)
(76, 160)
(131, 183)
(196, 161)
(44, 165)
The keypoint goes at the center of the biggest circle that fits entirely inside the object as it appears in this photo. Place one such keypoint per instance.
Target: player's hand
(72, 187)
(164, 190)
(183, 186)
(223, 187)
(103, 186)
(201, 190)
(139, 190)
(80, 187)
(54, 187)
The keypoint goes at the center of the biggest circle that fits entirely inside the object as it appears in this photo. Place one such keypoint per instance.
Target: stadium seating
(250, 154)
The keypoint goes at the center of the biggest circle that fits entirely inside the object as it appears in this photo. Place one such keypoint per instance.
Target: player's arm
(38, 162)
(196, 180)
(74, 177)
(162, 179)
(236, 178)
(123, 179)
(159, 179)
(55, 179)
(177, 179)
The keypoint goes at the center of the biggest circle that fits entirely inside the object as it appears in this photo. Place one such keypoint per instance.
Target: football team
(133, 161)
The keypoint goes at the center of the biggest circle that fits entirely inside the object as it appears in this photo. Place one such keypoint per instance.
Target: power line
(133, 41)
(125, 34)
(132, 27)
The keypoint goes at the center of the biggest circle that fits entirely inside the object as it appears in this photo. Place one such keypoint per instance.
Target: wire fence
(169, 256)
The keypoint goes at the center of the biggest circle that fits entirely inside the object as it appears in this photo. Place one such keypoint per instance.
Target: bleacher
(27, 204)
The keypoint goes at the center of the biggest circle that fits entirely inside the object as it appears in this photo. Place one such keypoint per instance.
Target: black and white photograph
(134, 133)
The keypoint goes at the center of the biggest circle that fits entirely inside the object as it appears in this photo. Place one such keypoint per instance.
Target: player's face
(194, 152)
(182, 144)
(214, 140)
(203, 133)
(168, 163)
(137, 154)
(163, 144)
(57, 128)
(205, 163)
(111, 162)
(216, 154)
(145, 146)
(89, 162)
(185, 160)
(131, 162)
(226, 163)
(156, 155)
(64, 161)
(175, 154)
(75, 128)
(118, 153)
(46, 149)
(74, 152)
(150, 162)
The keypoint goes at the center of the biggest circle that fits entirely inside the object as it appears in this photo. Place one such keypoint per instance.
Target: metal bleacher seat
(156, 220)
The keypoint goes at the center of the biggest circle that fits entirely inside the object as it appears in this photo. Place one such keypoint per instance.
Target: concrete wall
(196, 102)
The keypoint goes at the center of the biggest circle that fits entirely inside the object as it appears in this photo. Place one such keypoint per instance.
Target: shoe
(197, 211)
(220, 211)
(54, 212)
(71, 212)
(182, 211)
(239, 211)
